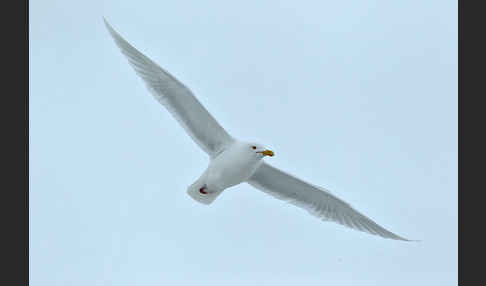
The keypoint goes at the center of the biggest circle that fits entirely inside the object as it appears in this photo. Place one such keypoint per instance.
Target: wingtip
(107, 24)
(407, 240)
(113, 33)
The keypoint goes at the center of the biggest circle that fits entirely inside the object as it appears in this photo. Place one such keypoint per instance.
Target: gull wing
(177, 98)
(315, 200)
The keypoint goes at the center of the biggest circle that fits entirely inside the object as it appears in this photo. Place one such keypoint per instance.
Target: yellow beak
(267, 153)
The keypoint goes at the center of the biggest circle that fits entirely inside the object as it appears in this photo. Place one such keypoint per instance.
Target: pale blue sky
(359, 97)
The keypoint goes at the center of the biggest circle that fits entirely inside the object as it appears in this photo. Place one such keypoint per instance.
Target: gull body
(233, 162)
(231, 167)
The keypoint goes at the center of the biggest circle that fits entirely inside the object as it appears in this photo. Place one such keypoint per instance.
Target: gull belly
(232, 167)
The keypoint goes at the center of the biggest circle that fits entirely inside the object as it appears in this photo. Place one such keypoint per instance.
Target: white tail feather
(195, 193)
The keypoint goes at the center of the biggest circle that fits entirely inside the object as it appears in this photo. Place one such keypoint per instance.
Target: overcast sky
(359, 97)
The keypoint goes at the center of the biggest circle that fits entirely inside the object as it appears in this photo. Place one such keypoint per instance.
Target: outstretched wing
(177, 98)
(315, 200)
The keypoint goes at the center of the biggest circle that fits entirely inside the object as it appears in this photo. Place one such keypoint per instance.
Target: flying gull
(233, 161)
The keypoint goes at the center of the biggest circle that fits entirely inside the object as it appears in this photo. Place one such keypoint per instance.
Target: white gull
(232, 161)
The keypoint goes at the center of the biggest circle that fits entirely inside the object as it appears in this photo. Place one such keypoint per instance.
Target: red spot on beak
(203, 191)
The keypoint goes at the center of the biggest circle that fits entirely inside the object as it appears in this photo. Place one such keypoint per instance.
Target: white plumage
(232, 161)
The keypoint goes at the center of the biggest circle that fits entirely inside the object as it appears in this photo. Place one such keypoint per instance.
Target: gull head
(259, 150)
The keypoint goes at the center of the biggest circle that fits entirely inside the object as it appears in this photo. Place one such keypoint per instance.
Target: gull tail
(200, 192)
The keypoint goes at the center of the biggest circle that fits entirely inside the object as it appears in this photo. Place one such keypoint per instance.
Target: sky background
(359, 97)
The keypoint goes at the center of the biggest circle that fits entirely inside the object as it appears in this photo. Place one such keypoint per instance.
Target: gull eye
(253, 147)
